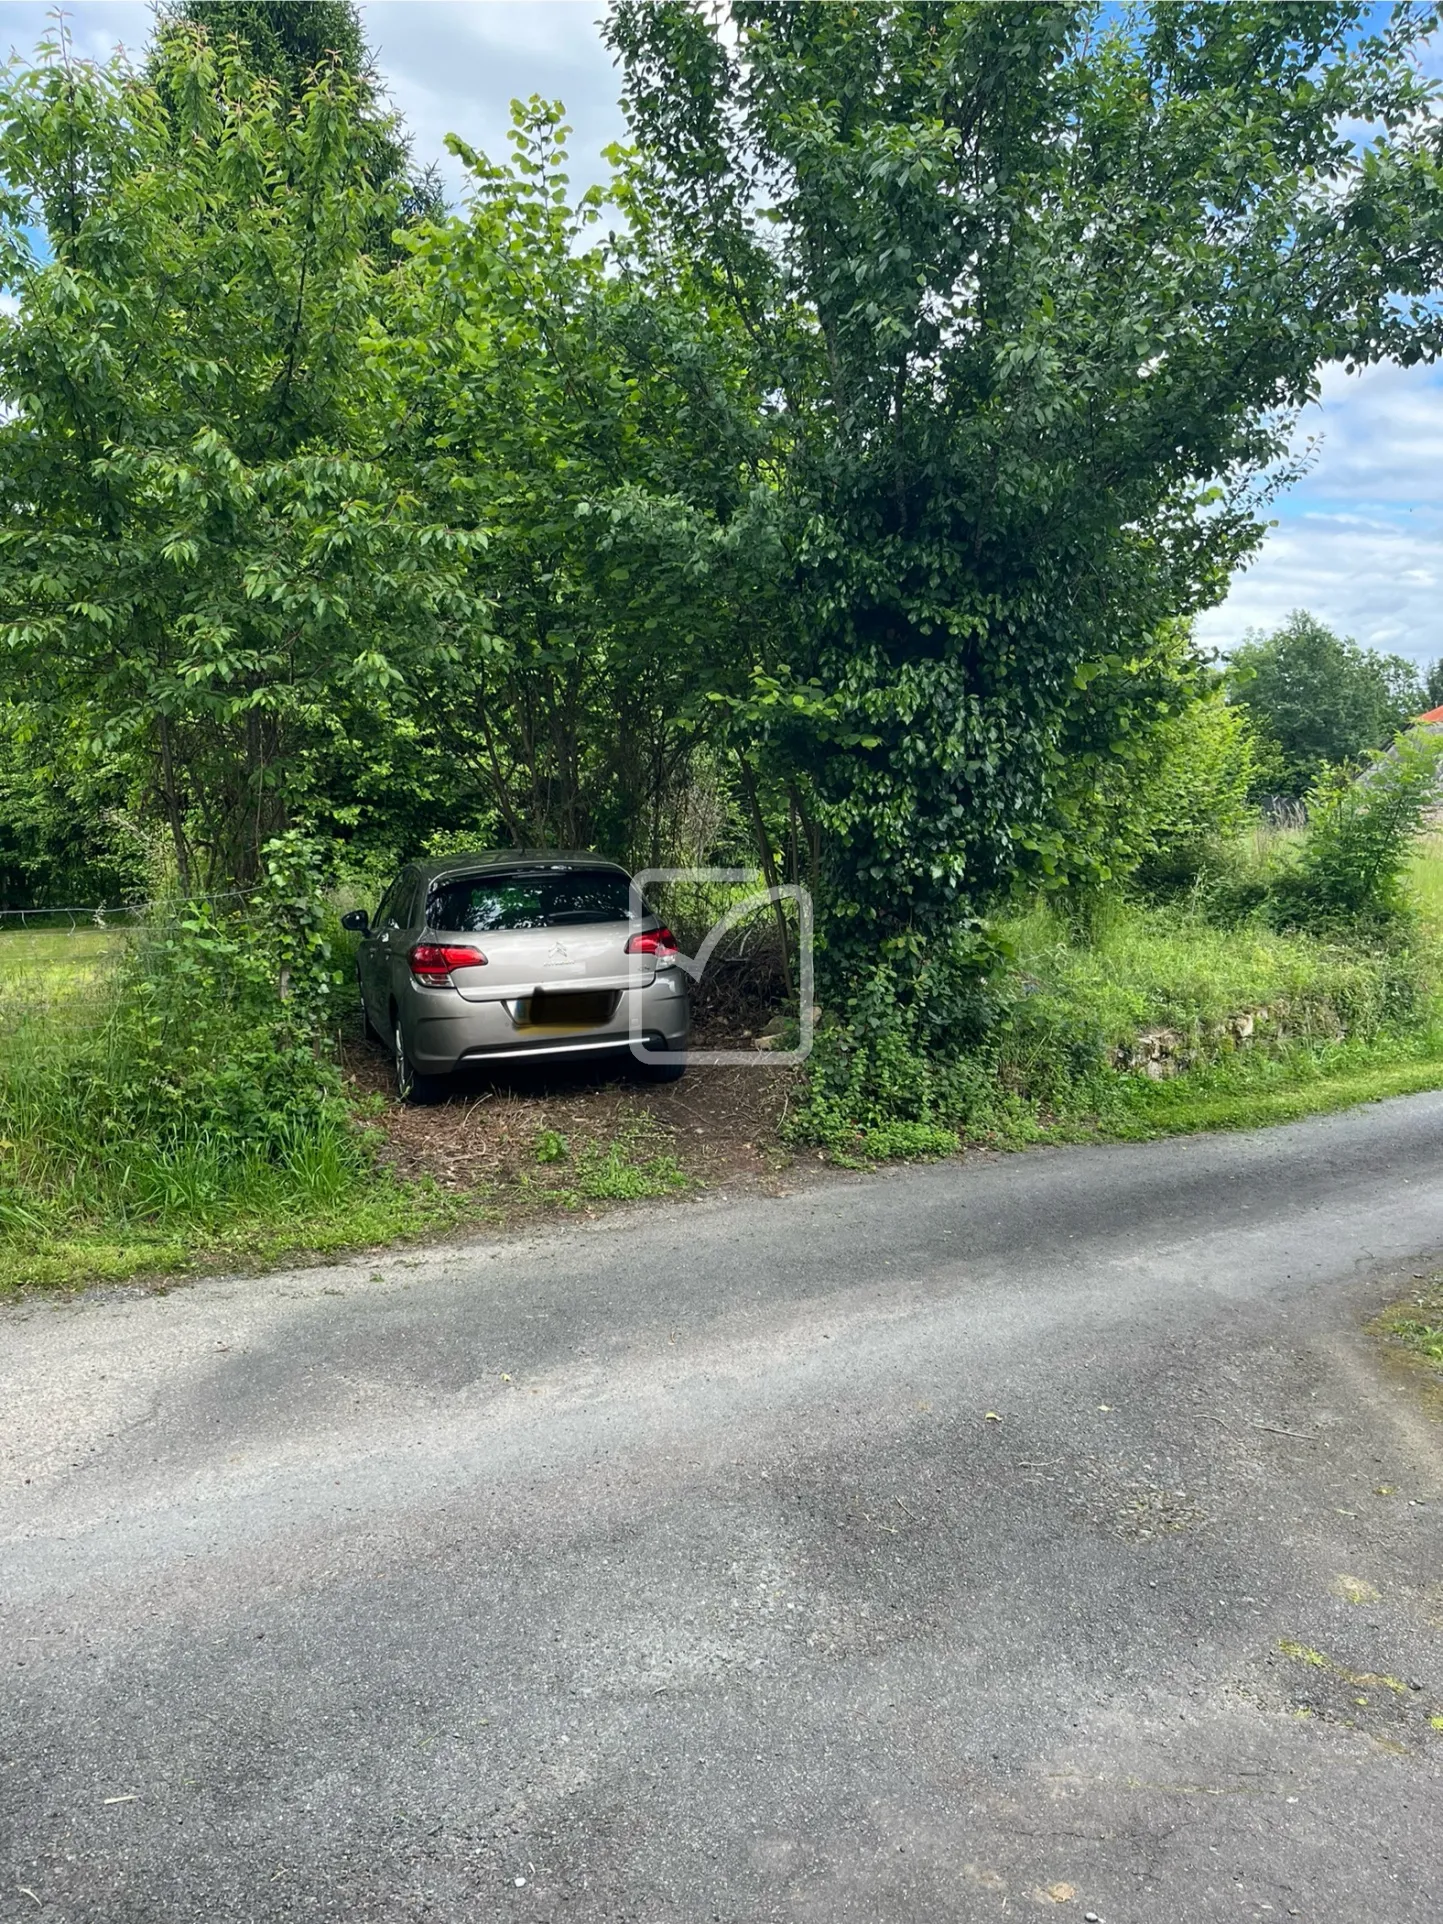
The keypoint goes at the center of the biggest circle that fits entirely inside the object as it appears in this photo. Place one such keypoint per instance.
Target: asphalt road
(1039, 1536)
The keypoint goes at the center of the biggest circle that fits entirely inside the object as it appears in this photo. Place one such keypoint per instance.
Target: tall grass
(159, 1097)
(1425, 881)
(45, 964)
(1247, 1023)
(1150, 968)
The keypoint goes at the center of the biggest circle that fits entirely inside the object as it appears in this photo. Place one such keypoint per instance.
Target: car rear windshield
(529, 899)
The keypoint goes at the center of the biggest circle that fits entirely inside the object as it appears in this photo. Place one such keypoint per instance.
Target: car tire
(660, 1071)
(368, 1028)
(411, 1086)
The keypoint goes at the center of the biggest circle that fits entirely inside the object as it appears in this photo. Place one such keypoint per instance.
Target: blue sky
(1360, 541)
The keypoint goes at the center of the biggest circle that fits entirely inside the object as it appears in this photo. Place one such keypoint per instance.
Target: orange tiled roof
(1433, 715)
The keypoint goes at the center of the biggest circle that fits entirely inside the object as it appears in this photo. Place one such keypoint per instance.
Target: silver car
(494, 957)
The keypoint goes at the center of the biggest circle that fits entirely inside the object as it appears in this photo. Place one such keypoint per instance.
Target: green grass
(1344, 1024)
(156, 1112)
(1332, 1024)
(1426, 881)
(1252, 1092)
(1150, 969)
(1417, 1325)
(49, 963)
(629, 1167)
(161, 1181)
(253, 1236)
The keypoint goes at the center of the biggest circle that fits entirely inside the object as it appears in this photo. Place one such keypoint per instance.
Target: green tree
(279, 38)
(1433, 685)
(68, 837)
(1032, 294)
(610, 442)
(1317, 699)
(204, 548)
(1153, 773)
(286, 40)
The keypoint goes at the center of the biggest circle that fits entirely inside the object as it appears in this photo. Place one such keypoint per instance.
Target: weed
(1418, 1325)
(1249, 1026)
(176, 1088)
(629, 1167)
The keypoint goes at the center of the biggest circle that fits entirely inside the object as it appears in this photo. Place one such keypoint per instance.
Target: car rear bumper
(588, 1046)
(443, 1031)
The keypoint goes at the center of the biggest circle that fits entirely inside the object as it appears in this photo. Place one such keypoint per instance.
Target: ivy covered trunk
(1033, 293)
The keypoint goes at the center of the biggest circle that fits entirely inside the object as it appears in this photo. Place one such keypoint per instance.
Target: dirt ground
(720, 1124)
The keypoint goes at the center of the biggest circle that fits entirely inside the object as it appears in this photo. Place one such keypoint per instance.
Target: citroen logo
(558, 952)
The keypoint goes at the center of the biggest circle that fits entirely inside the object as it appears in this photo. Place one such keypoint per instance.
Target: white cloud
(1382, 434)
(96, 27)
(455, 68)
(1360, 540)
(1380, 581)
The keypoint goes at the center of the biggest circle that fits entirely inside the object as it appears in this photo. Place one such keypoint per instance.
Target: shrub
(191, 1081)
(909, 1059)
(1196, 803)
(888, 1078)
(1361, 836)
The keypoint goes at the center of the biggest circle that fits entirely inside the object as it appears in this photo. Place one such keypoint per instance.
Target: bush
(1361, 836)
(190, 1081)
(908, 1062)
(1045, 1037)
(1196, 803)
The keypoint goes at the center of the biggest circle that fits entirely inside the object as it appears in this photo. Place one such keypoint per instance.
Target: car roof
(500, 861)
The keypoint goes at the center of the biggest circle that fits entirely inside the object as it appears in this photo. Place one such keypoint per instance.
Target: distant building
(1433, 720)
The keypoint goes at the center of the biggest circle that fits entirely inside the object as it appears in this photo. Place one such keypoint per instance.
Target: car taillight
(433, 961)
(658, 942)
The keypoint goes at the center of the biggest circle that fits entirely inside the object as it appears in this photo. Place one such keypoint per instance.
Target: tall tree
(282, 38)
(286, 41)
(203, 549)
(1317, 700)
(1033, 294)
(611, 443)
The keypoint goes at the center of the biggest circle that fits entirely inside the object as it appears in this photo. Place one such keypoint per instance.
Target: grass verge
(1416, 1326)
(87, 1254)
(1343, 1026)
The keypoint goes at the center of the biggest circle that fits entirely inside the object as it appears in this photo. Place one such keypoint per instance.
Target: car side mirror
(357, 921)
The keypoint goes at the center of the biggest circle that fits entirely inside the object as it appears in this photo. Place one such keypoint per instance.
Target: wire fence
(107, 915)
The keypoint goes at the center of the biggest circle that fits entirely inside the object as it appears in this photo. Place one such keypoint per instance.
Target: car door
(373, 960)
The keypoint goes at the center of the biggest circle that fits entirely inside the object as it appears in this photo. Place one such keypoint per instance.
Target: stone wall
(1160, 1053)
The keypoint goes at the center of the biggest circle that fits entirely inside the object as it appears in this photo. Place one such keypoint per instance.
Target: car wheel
(368, 1028)
(411, 1087)
(660, 1071)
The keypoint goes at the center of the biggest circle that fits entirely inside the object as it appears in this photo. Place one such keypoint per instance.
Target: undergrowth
(176, 1093)
(1247, 1022)
(628, 1167)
